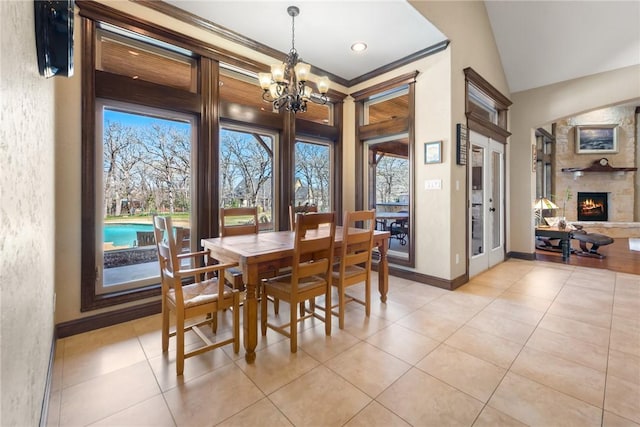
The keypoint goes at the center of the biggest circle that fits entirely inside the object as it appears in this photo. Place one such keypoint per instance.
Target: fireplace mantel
(600, 165)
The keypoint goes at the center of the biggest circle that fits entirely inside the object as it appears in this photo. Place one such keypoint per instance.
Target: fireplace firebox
(593, 207)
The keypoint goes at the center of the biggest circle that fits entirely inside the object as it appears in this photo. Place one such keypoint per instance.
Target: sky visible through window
(140, 120)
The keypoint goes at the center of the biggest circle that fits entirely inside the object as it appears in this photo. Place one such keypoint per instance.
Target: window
(246, 171)
(197, 103)
(146, 157)
(545, 143)
(387, 105)
(313, 172)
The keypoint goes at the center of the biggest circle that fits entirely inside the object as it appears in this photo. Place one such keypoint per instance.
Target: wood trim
(286, 162)
(522, 255)
(313, 129)
(90, 323)
(227, 34)
(429, 280)
(487, 128)
(241, 114)
(208, 150)
(359, 160)
(87, 203)
(384, 86)
(597, 167)
(544, 133)
(412, 172)
(338, 113)
(472, 76)
(122, 88)
(234, 37)
(103, 13)
(431, 50)
(388, 127)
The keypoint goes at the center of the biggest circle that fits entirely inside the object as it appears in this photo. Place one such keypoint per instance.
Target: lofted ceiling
(540, 42)
(545, 42)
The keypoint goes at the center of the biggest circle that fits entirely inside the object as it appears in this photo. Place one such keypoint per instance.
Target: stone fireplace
(593, 206)
(620, 183)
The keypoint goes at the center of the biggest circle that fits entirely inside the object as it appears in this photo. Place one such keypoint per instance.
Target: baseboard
(522, 255)
(429, 280)
(110, 318)
(44, 412)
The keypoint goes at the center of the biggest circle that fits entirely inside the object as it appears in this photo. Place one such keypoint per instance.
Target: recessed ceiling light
(359, 47)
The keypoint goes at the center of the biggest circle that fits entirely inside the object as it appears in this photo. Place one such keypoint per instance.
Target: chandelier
(286, 86)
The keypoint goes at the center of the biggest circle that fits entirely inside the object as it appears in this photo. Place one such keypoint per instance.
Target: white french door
(486, 204)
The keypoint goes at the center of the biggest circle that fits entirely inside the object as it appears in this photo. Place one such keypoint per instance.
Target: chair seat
(199, 293)
(283, 283)
(349, 271)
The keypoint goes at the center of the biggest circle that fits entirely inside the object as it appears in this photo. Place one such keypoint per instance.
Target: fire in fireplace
(593, 207)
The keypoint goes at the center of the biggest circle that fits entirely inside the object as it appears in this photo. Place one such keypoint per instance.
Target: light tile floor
(525, 343)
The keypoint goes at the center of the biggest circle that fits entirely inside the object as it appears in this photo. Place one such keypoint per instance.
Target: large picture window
(146, 157)
(246, 172)
(313, 172)
(171, 126)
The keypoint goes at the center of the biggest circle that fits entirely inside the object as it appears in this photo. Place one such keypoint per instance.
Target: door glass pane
(389, 191)
(146, 157)
(496, 204)
(313, 183)
(477, 200)
(246, 172)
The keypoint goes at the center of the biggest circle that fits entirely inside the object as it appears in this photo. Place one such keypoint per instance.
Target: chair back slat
(357, 242)
(238, 221)
(313, 247)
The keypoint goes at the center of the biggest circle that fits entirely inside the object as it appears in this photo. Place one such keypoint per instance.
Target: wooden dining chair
(304, 209)
(310, 275)
(192, 293)
(237, 222)
(355, 261)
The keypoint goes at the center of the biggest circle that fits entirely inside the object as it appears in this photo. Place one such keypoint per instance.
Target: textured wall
(620, 187)
(26, 215)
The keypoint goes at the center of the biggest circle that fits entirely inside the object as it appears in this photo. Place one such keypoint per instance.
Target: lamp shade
(544, 203)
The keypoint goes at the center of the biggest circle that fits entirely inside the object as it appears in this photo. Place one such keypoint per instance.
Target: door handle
(492, 209)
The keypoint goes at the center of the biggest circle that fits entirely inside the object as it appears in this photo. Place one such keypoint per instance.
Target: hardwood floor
(618, 257)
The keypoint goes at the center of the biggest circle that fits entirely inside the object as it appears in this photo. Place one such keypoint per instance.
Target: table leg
(383, 271)
(250, 324)
(566, 248)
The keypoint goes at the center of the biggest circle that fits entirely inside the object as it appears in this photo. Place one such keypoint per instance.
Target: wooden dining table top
(272, 244)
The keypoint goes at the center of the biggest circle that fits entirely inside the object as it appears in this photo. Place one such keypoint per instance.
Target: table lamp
(539, 205)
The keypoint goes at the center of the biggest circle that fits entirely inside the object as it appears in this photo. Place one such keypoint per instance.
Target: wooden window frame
(389, 127)
(205, 105)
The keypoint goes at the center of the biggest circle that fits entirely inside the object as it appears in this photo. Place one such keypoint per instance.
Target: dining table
(266, 253)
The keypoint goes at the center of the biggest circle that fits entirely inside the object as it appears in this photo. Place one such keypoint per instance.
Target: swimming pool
(123, 235)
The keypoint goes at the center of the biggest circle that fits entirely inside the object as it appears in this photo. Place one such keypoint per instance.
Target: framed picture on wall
(433, 152)
(596, 139)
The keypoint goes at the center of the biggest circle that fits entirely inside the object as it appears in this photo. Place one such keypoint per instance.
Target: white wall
(466, 25)
(536, 107)
(27, 218)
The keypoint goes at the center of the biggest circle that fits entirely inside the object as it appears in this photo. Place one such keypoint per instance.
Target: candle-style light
(286, 86)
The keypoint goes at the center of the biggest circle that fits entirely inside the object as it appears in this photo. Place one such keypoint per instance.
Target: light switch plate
(433, 184)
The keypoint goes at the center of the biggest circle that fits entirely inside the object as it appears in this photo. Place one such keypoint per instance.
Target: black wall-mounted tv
(54, 37)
